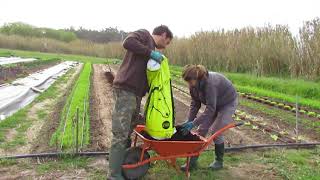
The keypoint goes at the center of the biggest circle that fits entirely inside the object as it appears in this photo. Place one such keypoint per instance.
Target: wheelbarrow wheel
(132, 156)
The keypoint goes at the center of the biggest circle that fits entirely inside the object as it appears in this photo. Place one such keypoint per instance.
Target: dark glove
(186, 127)
(157, 56)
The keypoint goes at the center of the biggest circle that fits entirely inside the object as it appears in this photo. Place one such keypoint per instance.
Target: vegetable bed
(65, 135)
(277, 88)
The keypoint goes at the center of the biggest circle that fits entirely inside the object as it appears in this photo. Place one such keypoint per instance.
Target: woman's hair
(194, 72)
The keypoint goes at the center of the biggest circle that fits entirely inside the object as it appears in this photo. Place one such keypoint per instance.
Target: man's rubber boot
(218, 163)
(129, 142)
(117, 153)
(193, 164)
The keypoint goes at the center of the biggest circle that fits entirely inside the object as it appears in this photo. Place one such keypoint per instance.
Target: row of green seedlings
(280, 105)
(177, 74)
(73, 130)
(256, 124)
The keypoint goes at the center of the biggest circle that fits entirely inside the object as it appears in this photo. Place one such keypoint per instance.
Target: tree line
(106, 35)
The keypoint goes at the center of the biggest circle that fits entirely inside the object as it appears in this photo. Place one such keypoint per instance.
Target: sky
(184, 17)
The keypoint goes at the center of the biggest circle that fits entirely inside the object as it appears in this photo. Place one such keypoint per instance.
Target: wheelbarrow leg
(173, 162)
(187, 168)
(135, 140)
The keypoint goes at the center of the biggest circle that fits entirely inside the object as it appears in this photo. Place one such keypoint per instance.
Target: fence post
(77, 130)
(297, 119)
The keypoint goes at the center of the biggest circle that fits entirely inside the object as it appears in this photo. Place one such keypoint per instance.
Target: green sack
(159, 109)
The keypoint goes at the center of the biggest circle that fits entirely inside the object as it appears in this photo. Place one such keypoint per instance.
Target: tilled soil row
(101, 104)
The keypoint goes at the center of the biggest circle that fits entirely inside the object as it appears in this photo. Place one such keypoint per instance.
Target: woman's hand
(186, 127)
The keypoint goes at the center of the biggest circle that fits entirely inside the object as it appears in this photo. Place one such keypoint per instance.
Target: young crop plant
(268, 102)
(247, 123)
(302, 111)
(65, 135)
(287, 107)
(312, 114)
(273, 103)
(284, 133)
(274, 137)
(260, 99)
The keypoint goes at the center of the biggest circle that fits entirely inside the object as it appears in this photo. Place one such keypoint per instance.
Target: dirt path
(101, 103)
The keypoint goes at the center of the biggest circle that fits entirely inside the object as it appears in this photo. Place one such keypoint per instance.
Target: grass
(277, 164)
(315, 104)
(295, 164)
(271, 164)
(63, 164)
(50, 56)
(302, 88)
(277, 88)
(20, 120)
(65, 134)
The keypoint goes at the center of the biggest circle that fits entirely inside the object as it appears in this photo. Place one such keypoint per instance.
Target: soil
(45, 129)
(276, 123)
(19, 70)
(101, 103)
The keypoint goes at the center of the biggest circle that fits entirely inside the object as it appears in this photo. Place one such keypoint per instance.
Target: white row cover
(23, 91)
(11, 60)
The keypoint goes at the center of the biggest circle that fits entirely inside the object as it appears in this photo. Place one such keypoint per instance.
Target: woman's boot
(218, 163)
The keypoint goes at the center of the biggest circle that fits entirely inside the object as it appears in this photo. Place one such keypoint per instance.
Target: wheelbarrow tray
(171, 148)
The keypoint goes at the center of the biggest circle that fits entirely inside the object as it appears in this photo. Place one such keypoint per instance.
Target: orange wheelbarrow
(137, 159)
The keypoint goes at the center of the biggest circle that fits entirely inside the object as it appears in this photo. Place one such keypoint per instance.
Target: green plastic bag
(159, 109)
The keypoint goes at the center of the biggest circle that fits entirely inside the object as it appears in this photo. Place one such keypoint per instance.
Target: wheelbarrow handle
(220, 131)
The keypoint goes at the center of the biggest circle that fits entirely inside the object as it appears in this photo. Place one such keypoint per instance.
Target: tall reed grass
(267, 51)
(81, 47)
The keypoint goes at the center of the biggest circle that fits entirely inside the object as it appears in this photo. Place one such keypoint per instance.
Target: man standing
(130, 85)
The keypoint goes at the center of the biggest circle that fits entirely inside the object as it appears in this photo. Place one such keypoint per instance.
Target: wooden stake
(297, 119)
(77, 130)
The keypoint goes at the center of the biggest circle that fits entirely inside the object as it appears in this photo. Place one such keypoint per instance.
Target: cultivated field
(74, 114)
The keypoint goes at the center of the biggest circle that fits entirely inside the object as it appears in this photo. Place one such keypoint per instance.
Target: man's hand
(186, 127)
(157, 56)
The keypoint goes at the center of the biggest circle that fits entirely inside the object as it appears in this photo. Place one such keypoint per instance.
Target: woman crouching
(219, 96)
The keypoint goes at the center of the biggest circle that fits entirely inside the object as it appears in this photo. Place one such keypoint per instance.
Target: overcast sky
(184, 17)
